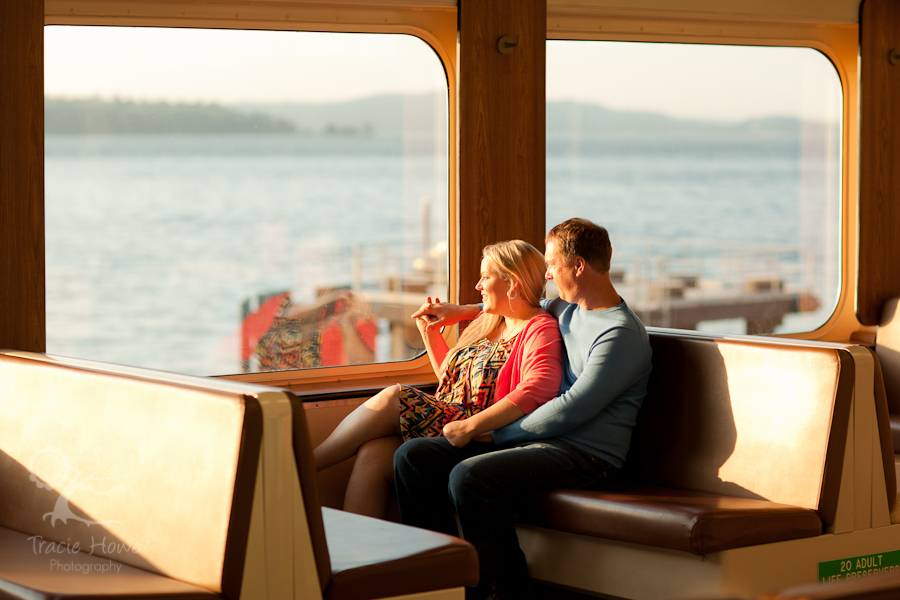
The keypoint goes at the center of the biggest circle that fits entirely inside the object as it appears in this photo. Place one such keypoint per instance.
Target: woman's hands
(479, 427)
(435, 344)
(460, 433)
(424, 318)
(444, 314)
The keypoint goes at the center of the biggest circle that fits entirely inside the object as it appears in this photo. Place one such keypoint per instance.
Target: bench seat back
(762, 419)
(137, 468)
(887, 348)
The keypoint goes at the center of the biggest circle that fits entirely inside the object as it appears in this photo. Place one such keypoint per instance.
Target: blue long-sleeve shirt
(606, 366)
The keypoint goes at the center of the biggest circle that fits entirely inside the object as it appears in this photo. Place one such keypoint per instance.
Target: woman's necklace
(510, 334)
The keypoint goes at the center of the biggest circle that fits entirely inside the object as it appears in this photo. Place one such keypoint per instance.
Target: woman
(506, 364)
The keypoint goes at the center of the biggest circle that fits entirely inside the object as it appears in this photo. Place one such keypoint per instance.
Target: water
(154, 242)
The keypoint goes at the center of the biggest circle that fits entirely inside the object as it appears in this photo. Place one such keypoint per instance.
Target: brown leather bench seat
(895, 432)
(887, 348)
(125, 483)
(686, 520)
(122, 485)
(371, 554)
(359, 557)
(736, 481)
(740, 442)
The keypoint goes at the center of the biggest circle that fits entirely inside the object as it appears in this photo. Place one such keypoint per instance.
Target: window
(225, 201)
(716, 169)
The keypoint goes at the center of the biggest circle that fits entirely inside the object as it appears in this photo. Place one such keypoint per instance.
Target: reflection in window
(717, 170)
(221, 201)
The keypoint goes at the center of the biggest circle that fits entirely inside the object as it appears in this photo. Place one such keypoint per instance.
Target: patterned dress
(467, 387)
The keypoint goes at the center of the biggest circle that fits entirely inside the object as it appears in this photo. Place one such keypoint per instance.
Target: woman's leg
(369, 488)
(377, 417)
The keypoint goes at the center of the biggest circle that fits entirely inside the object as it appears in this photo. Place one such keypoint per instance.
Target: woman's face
(493, 288)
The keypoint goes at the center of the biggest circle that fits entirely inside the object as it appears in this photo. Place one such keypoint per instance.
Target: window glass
(716, 169)
(223, 201)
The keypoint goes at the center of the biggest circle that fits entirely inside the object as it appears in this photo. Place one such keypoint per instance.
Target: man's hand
(444, 314)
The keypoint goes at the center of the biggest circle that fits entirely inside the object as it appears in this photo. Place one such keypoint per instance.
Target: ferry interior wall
(217, 216)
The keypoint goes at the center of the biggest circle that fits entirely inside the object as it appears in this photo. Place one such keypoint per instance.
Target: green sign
(859, 566)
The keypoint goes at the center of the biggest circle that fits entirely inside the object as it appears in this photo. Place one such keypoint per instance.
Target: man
(577, 440)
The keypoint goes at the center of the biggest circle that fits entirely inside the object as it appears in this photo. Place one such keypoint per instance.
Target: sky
(727, 83)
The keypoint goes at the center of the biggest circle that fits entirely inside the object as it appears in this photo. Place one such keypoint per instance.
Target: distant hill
(389, 115)
(382, 116)
(127, 117)
(385, 116)
(567, 116)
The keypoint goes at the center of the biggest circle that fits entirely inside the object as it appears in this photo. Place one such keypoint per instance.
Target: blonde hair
(515, 261)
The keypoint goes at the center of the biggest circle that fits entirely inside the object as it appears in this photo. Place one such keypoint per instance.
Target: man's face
(559, 272)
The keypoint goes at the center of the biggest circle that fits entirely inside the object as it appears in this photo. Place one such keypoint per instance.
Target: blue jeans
(482, 484)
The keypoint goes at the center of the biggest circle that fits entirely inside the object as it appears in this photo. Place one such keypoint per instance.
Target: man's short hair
(580, 237)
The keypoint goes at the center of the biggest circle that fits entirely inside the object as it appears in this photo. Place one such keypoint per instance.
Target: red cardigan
(533, 372)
